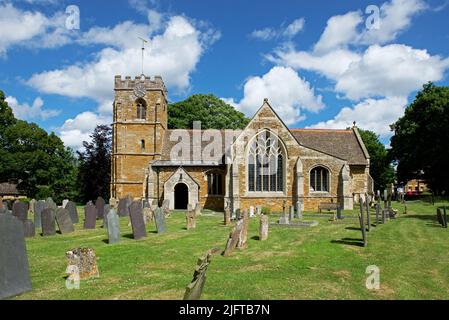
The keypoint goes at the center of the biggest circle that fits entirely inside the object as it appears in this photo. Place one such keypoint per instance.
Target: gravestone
(99, 204)
(123, 208)
(29, 230)
(243, 239)
(148, 215)
(38, 208)
(263, 228)
(49, 203)
(299, 210)
(190, 220)
(251, 211)
(258, 210)
(159, 218)
(73, 213)
(362, 224)
(291, 213)
(198, 209)
(107, 208)
(14, 272)
(227, 216)
(64, 222)
(64, 202)
(48, 222)
(137, 222)
(368, 214)
(90, 216)
(166, 207)
(113, 202)
(20, 210)
(195, 287)
(32, 206)
(284, 219)
(233, 239)
(113, 222)
(85, 261)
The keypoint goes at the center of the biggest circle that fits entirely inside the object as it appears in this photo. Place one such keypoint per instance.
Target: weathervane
(143, 49)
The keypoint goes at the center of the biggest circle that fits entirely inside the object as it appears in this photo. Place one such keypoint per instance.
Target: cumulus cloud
(286, 91)
(287, 32)
(371, 114)
(36, 111)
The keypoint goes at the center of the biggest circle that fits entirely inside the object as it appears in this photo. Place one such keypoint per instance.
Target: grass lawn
(323, 262)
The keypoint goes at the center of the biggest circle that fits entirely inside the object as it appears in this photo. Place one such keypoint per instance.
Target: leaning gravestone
(85, 261)
(73, 213)
(233, 239)
(190, 220)
(137, 222)
(20, 210)
(123, 208)
(28, 229)
(159, 218)
(263, 228)
(38, 208)
(65, 224)
(14, 272)
(48, 222)
(113, 226)
(243, 239)
(90, 216)
(99, 204)
(195, 287)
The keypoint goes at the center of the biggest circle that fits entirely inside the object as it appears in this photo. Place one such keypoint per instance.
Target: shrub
(266, 210)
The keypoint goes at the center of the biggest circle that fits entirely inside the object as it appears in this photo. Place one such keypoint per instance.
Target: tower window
(141, 109)
(142, 144)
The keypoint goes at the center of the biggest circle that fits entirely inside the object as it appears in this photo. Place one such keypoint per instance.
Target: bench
(329, 206)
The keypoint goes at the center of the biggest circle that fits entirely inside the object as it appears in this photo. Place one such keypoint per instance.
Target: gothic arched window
(214, 183)
(319, 179)
(266, 164)
(141, 109)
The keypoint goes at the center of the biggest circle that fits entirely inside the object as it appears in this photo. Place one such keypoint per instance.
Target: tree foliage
(213, 113)
(37, 160)
(381, 169)
(420, 144)
(95, 165)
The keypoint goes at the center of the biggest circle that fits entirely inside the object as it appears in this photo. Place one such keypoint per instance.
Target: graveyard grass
(323, 262)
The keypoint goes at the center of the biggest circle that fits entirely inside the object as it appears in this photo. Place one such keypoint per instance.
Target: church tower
(139, 124)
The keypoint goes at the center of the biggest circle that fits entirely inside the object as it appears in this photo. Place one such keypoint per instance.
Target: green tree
(95, 165)
(381, 168)
(213, 113)
(420, 144)
(37, 160)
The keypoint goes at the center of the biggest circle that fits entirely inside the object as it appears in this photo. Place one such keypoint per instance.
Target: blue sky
(322, 64)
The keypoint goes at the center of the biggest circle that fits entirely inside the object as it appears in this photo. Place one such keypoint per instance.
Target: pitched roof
(343, 144)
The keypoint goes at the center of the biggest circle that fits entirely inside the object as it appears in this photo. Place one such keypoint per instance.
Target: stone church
(265, 164)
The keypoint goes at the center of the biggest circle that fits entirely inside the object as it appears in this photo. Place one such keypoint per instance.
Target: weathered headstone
(243, 239)
(166, 207)
(113, 202)
(258, 210)
(159, 218)
(123, 208)
(227, 216)
(137, 222)
(14, 272)
(291, 214)
(64, 222)
(148, 215)
(198, 209)
(263, 228)
(113, 222)
(362, 224)
(64, 202)
(49, 203)
(233, 239)
(84, 260)
(190, 220)
(20, 210)
(29, 230)
(73, 213)
(99, 204)
(38, 208)
(368, 214)
(107, 208)
(48, 222)
(195, 288)
(32, 205)
(284, 219)
(90, 216)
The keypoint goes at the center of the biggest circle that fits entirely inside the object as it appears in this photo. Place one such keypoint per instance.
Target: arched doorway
(181, 196)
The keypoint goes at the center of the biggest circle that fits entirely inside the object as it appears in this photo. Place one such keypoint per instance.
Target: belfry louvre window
(265, 164)
(319, 179)
(141, 109)
(214, 184)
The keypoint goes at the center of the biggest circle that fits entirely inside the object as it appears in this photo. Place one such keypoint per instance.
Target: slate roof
(343, 144)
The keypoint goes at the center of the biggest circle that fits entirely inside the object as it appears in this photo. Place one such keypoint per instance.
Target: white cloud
(36, 111)
(392, 70)
(74, 131)
(287, 32)
(371, 114)
(286, 91)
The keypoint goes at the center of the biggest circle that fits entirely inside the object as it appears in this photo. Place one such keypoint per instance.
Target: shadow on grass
(420, 216)
(129, 236)
(349, 241)
(255, 238)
